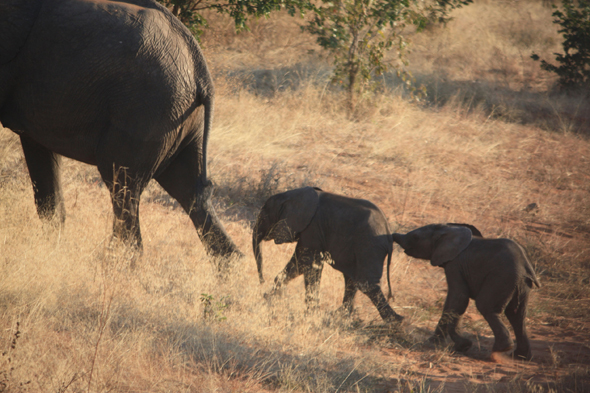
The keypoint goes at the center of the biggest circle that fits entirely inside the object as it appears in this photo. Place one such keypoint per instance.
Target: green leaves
(214, 310)
(358, 34)
(189, 11)
(574, 68)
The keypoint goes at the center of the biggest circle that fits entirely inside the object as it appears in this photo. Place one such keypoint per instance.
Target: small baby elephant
(352, 234)
(494, 272)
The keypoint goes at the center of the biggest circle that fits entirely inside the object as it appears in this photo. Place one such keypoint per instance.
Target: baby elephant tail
(530, 277)
(389, 294)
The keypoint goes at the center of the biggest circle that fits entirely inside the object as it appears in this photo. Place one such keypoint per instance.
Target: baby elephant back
(357, 236)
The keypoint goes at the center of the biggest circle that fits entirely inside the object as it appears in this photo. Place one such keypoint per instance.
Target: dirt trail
(557, 353)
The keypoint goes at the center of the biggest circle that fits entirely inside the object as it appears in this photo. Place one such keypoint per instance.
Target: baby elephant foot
(268, 296)
(394, 319)
(524, 354)
(462, 344)
(343, 312)
(503, 345)
(437, 339)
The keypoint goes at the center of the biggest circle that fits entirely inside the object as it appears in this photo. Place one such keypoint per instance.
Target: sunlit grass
(87, 321)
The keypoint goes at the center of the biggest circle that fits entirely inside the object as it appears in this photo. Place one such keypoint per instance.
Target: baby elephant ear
(449, 242)
(298, 208)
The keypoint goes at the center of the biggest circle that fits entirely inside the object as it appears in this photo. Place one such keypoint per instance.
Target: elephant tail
(530, 277)
(208, 106)
(389, 293)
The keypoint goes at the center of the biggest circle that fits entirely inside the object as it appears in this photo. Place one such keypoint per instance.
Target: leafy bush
(189, 11)
(359, 33)
(213, 310)
(574, 68)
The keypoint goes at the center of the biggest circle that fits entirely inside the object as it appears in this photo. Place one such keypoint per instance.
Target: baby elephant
(494, 272)
(351, 234)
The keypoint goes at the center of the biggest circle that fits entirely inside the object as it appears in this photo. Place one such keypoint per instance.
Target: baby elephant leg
(289, 272)
(312, 273)
(490, 307)
(349, 292)
(306, 262)
(292, 270)
(516, 314)
(376, 295)
(455, 306)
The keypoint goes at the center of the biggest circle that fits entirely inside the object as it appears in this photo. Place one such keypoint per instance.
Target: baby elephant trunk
(400, 239)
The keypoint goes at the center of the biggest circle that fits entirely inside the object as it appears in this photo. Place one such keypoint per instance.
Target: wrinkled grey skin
(120, 85)
(351, 234)
(494, 272)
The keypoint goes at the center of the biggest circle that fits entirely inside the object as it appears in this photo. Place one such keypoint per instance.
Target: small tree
(359, 33)
(190, 11)
(574, 68)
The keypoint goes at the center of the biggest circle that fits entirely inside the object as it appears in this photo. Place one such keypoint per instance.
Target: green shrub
(574, 65)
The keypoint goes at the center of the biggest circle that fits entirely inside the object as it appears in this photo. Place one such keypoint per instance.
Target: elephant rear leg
(516, 313)
(376, 295)
(491, 308)
(43, 165)
(125, 187)
(183, 181)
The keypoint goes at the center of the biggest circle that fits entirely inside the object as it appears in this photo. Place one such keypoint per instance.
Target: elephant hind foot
(437, 339)
(504, 345)
(462, 344)
(524, 354)
(394, 319)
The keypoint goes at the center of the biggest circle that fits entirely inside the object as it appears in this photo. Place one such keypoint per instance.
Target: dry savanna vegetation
(492, 146)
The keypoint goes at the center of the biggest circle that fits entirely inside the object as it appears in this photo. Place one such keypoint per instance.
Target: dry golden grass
(87, 322)
(488, 63)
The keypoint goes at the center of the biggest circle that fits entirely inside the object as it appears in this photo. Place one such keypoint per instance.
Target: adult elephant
(120, 85)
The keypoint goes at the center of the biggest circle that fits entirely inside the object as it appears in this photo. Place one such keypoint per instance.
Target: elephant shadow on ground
(545, 352)
(555, 366)
(274, 368)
